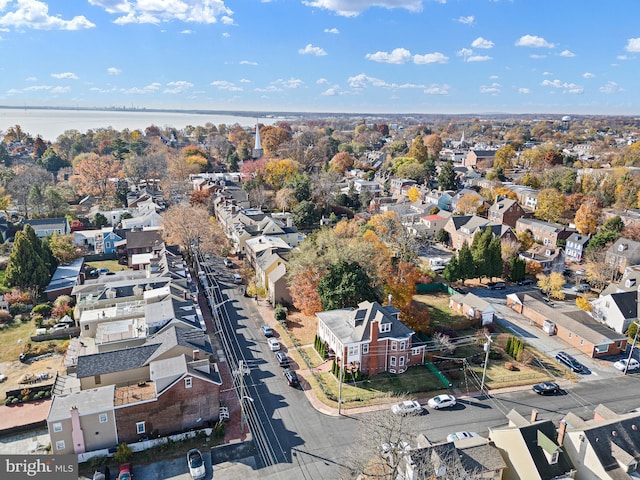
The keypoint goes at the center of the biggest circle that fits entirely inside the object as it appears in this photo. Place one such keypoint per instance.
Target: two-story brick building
(506, 211)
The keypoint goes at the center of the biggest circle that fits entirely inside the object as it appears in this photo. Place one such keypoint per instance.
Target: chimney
(196, 354)
(390, 300)
(562, 429)
(289, 221)
(534, 415)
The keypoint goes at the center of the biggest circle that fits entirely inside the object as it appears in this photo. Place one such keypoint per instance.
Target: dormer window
(622, 247)
(554, 457)
(385, 327)
(630, 282)
(547, 252)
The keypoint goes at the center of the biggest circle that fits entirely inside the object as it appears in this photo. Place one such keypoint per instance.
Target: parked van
(237, 278)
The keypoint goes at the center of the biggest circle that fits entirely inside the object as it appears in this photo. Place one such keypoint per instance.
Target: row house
(622, 254)
(576, 328)
(271, 270)
(527, 196)
(545, 233)
(463, 228)
(506, 211)
(264, 243)
(575, 246)
(399, 186)
(480, 159)
(370, 338)
(439, 198)
(434, 223)
(629, 282)
(549, 259)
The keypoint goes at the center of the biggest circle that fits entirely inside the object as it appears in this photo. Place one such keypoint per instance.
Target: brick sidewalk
(30, 413)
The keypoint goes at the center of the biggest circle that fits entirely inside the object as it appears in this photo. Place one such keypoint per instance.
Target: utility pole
(241, 389)
(340, 386)
(487, 348)
(633, 345)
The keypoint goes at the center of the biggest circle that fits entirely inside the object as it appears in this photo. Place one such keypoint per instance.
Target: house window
(188, 382)
(554, 457)
(415, 351)
(401, 361)
(57, 427)
(385, 327)
(619, 344)
(570, 334)
(353, 350)
(402, 345)
(107, 244)
(581, 341)
(86, 326)
(394, 345)
(97, 380)
(392, 361)
(139, 427)
(365, 349)
(60, 445)
(102, 418)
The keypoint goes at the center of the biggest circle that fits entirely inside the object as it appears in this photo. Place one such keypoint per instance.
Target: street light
(633, 344)
(243, 414)
(487, 348)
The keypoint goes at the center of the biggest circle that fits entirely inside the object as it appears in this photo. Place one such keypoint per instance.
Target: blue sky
(353, 56)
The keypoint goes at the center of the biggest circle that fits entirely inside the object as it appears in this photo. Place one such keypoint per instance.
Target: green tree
(494, 266)
(62, 248)
(100, 220)
(5, 158)
(305, 214)
(447, 178)
(26, 269)
(466, 266)
(504, 157)
(480, 252)
(418, 149)
(346, 285)
(614, 224)
(442, 236)
(518, 268)
(450, 272)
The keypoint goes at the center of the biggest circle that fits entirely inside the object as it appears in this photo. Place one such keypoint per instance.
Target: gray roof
(46, 223)
(502, 205)
(143, 239)
(623, 247)
(94, 400)
(531, 436)
(627, 303)
(541, 225)
(114, 361)
(66, 275)
(354, 325)
(579, 238)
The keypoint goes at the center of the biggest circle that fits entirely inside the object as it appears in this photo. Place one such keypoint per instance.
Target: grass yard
(302, 327)
(439, 312)
(112, 265)
(14, 336)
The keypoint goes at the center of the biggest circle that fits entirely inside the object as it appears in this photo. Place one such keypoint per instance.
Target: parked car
(274, 345)
(124, 472)
(228, 263)
(291, 377)
(569, 361)
(622, 364)
(442, 401)
(406, 407)
(496, 285)
(546, 388)
(267, 331)
(282, 359)
(102, 473)
(3, 378)
(581, 271)
(195, 462)
(59, 326)
(525, 281)
(581, 288)
(237, 278)
(452, 437)
(99, 271)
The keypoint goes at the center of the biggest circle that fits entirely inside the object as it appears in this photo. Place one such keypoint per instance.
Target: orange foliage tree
(304, 292)
(94, 174)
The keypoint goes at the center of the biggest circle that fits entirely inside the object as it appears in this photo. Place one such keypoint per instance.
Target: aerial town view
(319, 239)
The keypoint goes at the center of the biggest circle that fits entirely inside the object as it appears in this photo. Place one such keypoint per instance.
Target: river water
(50, 123)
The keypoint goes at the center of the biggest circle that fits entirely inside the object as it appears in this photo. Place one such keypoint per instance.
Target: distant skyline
(349, 56)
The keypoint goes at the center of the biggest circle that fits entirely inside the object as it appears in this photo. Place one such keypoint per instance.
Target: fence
(434, 287)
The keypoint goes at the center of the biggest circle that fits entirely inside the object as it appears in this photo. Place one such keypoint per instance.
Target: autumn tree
(342, 161)
(272, 137)
(390, 230)
(550, 205)
(62, 248)
(504, 192)
(304, 292)
(468, 204)
(551, 285)
(586, 219)
(434, 145)
(346, 285)
(278, 172)
(200, 197)
(20, 185)
(413, 170)
(186, 225)
(504, 157)
(286, 199)
(413, 194)
(582, 302)
(94, 174)
(418, 150)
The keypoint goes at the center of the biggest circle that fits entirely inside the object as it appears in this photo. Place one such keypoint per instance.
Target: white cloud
(622, 57)
(588, 75)
(151, 88)
(178, 87)
(397, 56)
(533, 42)
(334, 31)
(31, 79)
(468, 20)
(524, 91)
(186, 32)
(245, 80)
(114, 71)
(482, 43)
(567, 53)
(564, 86)
(479, 58)
(155, 12)
(322, 81)
(351, 8)
(610, 87)
(536, 56)
(35, 14)
(435, 89)
(65, 76)
(247, 62)
(333, 92)
(311, 50)
(60, 89)
(464, 52)
(226, 34)
(493, 77)
(633, 45)
(435, 57)
(290, 83)
(492, 89)
(362, 81)
(547, 74)
(224, 85)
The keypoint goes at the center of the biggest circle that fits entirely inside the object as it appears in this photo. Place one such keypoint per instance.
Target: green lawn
(112, 265)
(439, 312)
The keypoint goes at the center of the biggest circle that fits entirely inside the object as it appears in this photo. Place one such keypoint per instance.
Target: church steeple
(257, 148)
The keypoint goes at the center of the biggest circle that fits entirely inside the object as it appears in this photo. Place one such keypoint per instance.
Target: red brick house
(370, 338)
(506, 211)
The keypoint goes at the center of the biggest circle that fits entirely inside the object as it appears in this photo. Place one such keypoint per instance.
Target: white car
(274, 344)
(452, 437)
(622, 364)
(406, 407)
(442, 401)
(195, 463)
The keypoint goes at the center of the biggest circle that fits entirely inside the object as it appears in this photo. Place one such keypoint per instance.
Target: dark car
(291, 377)
(267, 331)
(496, 285)
(282, 359)
(228, 263)
(525, 281)
(546, 388)
(569, 361)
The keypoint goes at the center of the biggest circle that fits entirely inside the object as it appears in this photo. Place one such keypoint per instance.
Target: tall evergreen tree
(25, 269)
(494, 263)
(518, 268)
(346, 285)
(480, 252)
(466, 266)
(447, 177)
(450, 272)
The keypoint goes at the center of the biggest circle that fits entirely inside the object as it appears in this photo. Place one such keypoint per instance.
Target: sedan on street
(622, 364)
(195, 462)
(274, 345)
(546, 388)
(442, 401)
(406, 407)
(452, 437)
(267, 331)
(291, 377)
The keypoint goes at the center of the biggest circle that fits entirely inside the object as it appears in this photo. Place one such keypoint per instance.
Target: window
(392, 361)
(60, 445)
(402, 345)
(102, 418)
(415, 351)
(353, 350)
(401, 361)
(365, 349)
(86, 326)
(188, 382)
(581, 341)
(394, 345)
(57, 427)
(385, 327)
(97, 380)
(570, 334)
(139, 427)
(554, 457)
